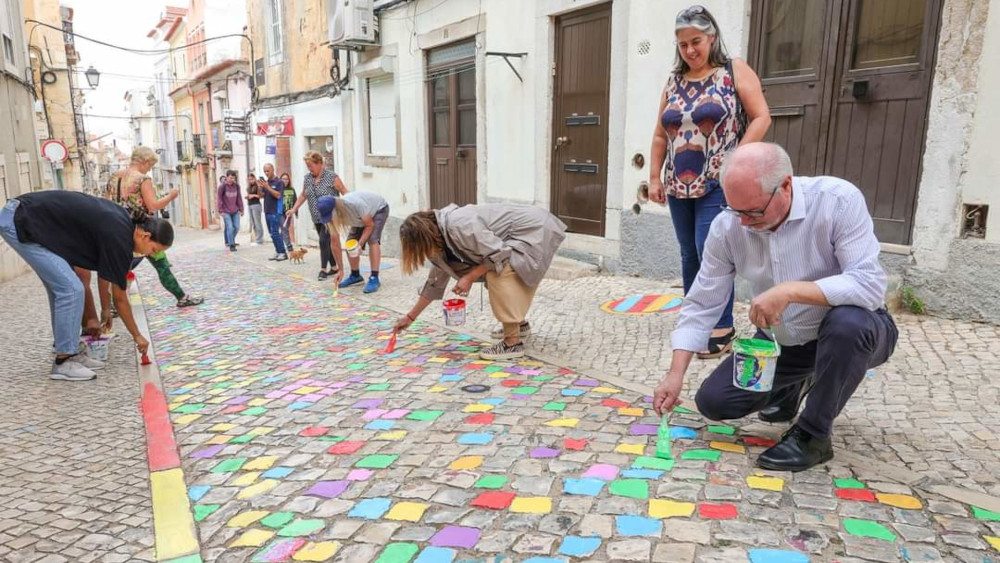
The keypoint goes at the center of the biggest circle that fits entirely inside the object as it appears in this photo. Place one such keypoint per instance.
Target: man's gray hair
(770, 170)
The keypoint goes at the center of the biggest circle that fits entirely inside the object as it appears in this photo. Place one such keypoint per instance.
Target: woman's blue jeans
(692, 217)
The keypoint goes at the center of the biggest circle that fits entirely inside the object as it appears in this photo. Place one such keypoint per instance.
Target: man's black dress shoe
(786, 410)
(798, 450)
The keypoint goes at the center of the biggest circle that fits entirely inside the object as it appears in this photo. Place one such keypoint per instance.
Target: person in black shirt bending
(55, 231)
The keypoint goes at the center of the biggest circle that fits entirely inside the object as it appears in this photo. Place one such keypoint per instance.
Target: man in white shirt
(807, 247)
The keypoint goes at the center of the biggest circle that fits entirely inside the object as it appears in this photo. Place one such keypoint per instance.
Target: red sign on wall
(277, 127)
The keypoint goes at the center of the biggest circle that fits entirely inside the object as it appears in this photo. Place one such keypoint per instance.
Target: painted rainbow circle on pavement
(643, 304)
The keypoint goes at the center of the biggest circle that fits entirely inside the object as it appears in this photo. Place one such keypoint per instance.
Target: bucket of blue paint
(754, 362)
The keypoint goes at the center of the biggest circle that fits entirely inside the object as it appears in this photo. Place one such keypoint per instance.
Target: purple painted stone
(451, 372)
(368, 403)
(642, 430)
(208, 452)
(544, 453)
(328, 489)
(587, 383)
(456, 536)
(356, 379)
(513, 369)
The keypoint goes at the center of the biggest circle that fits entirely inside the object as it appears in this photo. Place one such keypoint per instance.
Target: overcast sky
(124, 23)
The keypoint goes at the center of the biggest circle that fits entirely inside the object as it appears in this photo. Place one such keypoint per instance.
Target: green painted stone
(720, 429)
(376, 461)
(301, 528)
(201, 511)
(188, 409)
(702, 455)
(632, 488)
(254, 411)
(542, 378)
(683, 410)
(868, 529)
(646, 462)
(377, 387)
(493, 369)
(398, 553)
(524, 390)
(849, 484)
(277, 519)
(332, 438)
(491, 482)
(357, 366)
(424, 415)
(229, 465)
(983, 514)
(242, 439)
(554, 406)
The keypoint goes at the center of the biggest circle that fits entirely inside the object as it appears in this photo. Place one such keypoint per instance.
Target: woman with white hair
(133, 189)
(710, 105)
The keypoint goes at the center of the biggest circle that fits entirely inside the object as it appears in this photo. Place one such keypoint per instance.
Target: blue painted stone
(777, 556)
(579, 546)
(638, 526)
(196, 492)
(495, 401)
(682, 433)
(278, 472)
(585, 487)
(436, 555)
(642, 474)
(370, 508)
(299, 405)
(380, 425)
(572, 392)
(475, 438)
(447, 378)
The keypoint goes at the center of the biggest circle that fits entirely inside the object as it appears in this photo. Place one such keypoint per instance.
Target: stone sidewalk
(303, 440)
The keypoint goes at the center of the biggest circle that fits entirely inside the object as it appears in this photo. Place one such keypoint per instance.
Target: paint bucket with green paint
(754, 360)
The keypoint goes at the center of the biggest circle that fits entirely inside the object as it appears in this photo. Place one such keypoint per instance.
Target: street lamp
(93, 77)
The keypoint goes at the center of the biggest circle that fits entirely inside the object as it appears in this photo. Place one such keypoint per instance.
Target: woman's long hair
(160, 230)
(697, 17)
(420, 239)
(339, 220)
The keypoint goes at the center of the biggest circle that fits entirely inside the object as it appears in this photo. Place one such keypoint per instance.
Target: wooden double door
(848, 85)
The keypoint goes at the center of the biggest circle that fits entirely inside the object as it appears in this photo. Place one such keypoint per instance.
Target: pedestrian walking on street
(362, 215)
(319, 182)
(808, 248)
(272, 188)
(254, 206)
(230, 202)
(701, 120)
(511, 246)
(133, 189)
(56, 231)
(287, 219)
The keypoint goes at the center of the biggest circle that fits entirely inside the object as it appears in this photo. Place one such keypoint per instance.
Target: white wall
(223, 17)
(983, 166)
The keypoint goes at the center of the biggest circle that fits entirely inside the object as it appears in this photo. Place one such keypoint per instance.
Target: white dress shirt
(827, 238)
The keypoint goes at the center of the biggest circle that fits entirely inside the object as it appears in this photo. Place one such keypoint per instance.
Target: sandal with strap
(188, 301)
(719, 345)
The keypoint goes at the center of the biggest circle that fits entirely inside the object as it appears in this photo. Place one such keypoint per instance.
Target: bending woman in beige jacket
(511, 245)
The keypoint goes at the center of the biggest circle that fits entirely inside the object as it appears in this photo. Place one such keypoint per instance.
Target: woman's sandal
(719, 345)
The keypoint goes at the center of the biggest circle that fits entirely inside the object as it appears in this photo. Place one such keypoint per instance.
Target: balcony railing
(200, 146)
(183, 155)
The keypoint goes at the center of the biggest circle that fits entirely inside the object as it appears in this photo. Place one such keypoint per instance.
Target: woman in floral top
(133, 189)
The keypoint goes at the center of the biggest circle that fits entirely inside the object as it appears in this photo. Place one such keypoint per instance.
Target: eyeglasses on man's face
(755, 213)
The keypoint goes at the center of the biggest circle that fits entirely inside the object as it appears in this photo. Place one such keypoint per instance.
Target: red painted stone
(717, 511)
(497, 500)
(345, 448)
(614, 403)
(233, 409)
(576, 445)
(314, 431)
(473, 366)
(755, 441)
(411, 370)
(161, 449)
(565, 371)
(481, 418)
(512, 382)
(864, 495)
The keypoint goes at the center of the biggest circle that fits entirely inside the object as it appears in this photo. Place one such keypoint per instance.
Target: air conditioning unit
(351, 23)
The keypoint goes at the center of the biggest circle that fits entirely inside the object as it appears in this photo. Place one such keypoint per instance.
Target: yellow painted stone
(260, 463)
(408, 511)
(366, 351)
(563, 422)
(635, 449)
(437, 389)
(608, 390)
(307, 390)
(397, 362)
(218, 391)
(437, 360)
(258, 489)
(392, 436)
(244, 519)
(173, 523)
(317, 551)
(766, 483)
(900, 501)
(530, 363)
(186, 419)
(246, 479)
(261, 430)
(259, 402)
(499, 375)
(252, 538)
(467, 462)
(631, 411)
(222, 427)
(220, 439)
(217, 400)
(478, 407)
(995, 542)
(531, 505)
(179, 400)
(194, 385)
(728, 447)
(662, 508)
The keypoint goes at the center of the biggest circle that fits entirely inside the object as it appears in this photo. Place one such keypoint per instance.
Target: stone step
(565, 269)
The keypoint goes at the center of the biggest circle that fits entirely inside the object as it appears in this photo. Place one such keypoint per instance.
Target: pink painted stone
(396, 414)
(281, 550)
(276, 394)
(373, 414)
(360, 474)
(602, 471)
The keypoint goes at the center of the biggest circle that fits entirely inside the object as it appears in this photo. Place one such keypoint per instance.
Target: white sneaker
(70, 370)
(88, 362)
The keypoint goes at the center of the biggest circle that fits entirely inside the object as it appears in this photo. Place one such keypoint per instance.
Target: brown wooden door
(451, 99)
(580, 119)
(848, 84)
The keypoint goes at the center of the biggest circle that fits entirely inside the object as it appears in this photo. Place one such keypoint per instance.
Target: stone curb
(176, 539)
